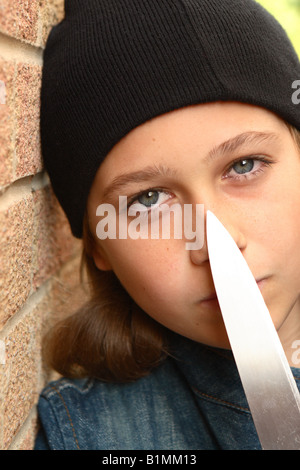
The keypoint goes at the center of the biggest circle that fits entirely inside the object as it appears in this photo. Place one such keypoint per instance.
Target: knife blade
(267, 379)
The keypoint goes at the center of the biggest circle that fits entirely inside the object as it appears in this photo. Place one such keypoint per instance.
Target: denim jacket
(193, 401)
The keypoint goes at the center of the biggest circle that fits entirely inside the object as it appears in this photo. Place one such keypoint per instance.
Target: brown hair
(110, 338)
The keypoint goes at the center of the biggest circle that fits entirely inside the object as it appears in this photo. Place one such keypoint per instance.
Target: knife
(268, 382)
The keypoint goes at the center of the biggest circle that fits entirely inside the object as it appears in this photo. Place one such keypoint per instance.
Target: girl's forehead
(198, 119)
(178, 145)
(199, 127)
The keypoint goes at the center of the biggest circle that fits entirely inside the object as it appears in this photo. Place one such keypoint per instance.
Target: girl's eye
(247, 168)
(150, 198)
(243, 166)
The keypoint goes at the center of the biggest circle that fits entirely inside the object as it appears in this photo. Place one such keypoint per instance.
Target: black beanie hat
(111, 65)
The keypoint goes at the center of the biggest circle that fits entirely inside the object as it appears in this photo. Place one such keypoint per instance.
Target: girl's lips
(261, 282)
(213, 297)
(209, 298)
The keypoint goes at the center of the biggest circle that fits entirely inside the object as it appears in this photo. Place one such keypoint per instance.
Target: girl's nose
(200, 256)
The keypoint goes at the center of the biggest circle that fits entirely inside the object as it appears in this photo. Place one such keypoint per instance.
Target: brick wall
(39, 258)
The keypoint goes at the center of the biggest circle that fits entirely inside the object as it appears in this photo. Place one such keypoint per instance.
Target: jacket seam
(222, 402)
(68, 414)
(52, 389)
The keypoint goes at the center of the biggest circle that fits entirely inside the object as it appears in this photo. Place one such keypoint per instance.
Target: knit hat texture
(111, 65)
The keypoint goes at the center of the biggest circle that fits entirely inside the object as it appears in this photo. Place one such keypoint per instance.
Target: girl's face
(240, 162)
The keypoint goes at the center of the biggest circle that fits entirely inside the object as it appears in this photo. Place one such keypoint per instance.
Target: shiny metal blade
(269, 385)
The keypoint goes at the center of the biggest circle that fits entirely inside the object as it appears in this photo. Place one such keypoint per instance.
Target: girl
(168, 103)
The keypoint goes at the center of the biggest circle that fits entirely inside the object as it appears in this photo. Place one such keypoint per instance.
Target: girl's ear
(92, 248)
(100, 259)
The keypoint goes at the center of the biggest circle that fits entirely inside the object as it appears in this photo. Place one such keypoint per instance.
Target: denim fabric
(193, 401)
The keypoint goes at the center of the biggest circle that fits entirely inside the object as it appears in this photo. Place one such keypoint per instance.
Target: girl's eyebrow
(151, 172)
(146, 174)
(233, 144)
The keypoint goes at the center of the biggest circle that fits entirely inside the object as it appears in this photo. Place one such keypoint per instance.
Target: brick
(20, 153)
(68, 293)
(20, 385)
(16, 238)
(52, 12)
(8, 18)
(28, 12)
(6, 123)
(19, 19)
(27, 107)
(54, 243)
(30, 20)
(24, 373)
(35, 242)
(27, 438)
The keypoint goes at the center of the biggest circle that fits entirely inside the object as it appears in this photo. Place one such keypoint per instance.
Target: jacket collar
(211, 372)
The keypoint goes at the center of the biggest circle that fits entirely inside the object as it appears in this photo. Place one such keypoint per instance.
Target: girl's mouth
(261, 282)
(213, 297)
(209, 298)
(210, 301)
